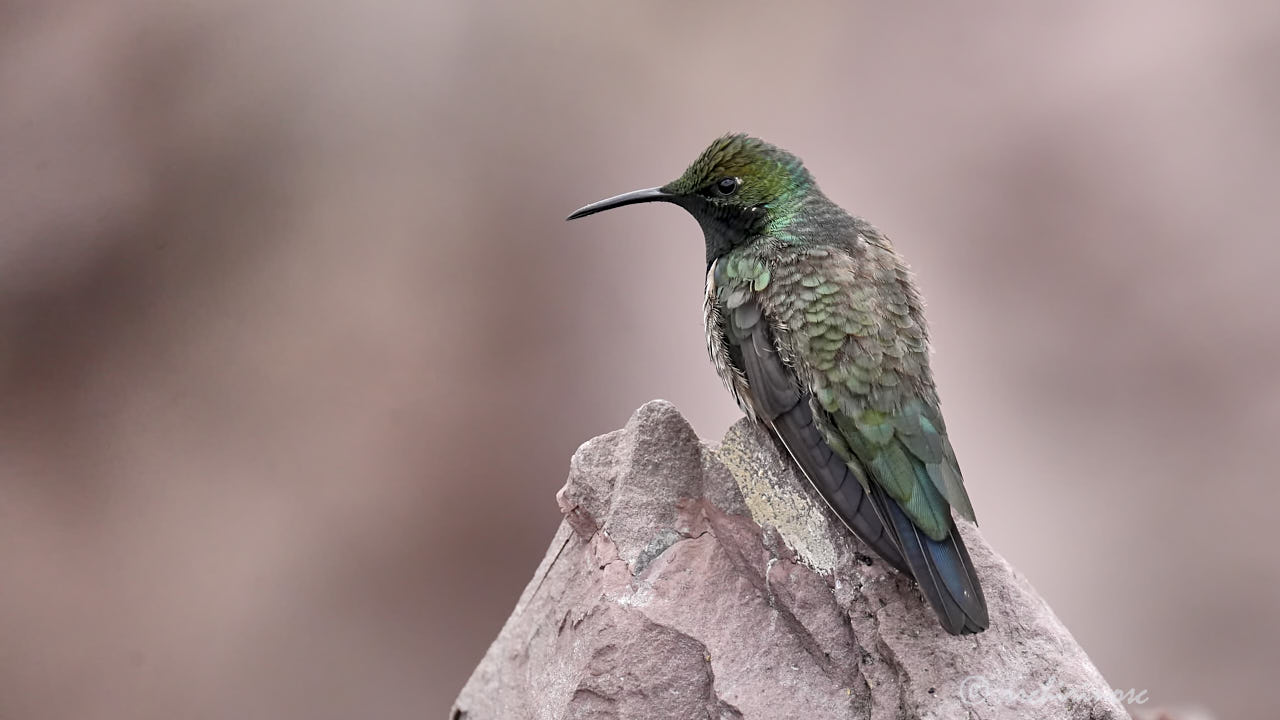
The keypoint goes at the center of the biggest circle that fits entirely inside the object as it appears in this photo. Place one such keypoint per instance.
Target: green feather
(926, 508)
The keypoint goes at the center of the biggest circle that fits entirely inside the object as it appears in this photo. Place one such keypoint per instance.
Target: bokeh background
(295, 346)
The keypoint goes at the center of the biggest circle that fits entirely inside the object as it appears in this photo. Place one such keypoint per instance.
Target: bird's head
(738, 189)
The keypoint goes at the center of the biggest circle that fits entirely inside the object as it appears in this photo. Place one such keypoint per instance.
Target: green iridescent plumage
(866, 366)
(815, 326)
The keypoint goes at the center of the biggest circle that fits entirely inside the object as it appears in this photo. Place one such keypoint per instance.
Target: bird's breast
(718, 345)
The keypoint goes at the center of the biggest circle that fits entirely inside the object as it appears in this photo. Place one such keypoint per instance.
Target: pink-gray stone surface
(691, 580)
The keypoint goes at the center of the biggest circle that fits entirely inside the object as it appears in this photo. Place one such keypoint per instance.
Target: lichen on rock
(691, 580)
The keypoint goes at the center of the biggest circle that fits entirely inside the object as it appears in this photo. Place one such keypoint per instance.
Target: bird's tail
(941, 568)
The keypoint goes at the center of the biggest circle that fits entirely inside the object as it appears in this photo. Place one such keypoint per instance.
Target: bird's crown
(747, 169)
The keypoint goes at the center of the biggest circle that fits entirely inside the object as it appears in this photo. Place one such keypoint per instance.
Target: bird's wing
(780, 402)
(860, 347)
(860, 350)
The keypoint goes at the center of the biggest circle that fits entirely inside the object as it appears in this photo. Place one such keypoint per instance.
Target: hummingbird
(815, 326)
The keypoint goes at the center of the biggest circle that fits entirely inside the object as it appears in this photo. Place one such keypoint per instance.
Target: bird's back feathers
(826, 344)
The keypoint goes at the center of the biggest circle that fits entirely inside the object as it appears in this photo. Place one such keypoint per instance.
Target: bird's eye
(728, 186)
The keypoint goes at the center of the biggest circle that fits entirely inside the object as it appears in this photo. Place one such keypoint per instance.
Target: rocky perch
(691, 580)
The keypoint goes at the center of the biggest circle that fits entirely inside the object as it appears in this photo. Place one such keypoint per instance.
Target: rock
(698, 581)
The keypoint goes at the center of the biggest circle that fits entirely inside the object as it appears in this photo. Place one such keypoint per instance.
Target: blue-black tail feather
(943, 569)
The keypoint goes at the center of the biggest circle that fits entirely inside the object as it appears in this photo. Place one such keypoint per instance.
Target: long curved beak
(639, 196)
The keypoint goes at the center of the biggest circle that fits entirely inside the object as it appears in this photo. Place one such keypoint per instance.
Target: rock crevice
(691, 580)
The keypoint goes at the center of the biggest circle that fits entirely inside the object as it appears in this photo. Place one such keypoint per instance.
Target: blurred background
(295, 344)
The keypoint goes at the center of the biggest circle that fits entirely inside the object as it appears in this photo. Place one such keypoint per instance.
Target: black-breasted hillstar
(815, 326)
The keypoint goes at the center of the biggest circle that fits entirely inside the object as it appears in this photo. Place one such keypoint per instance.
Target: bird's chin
(720, 238)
